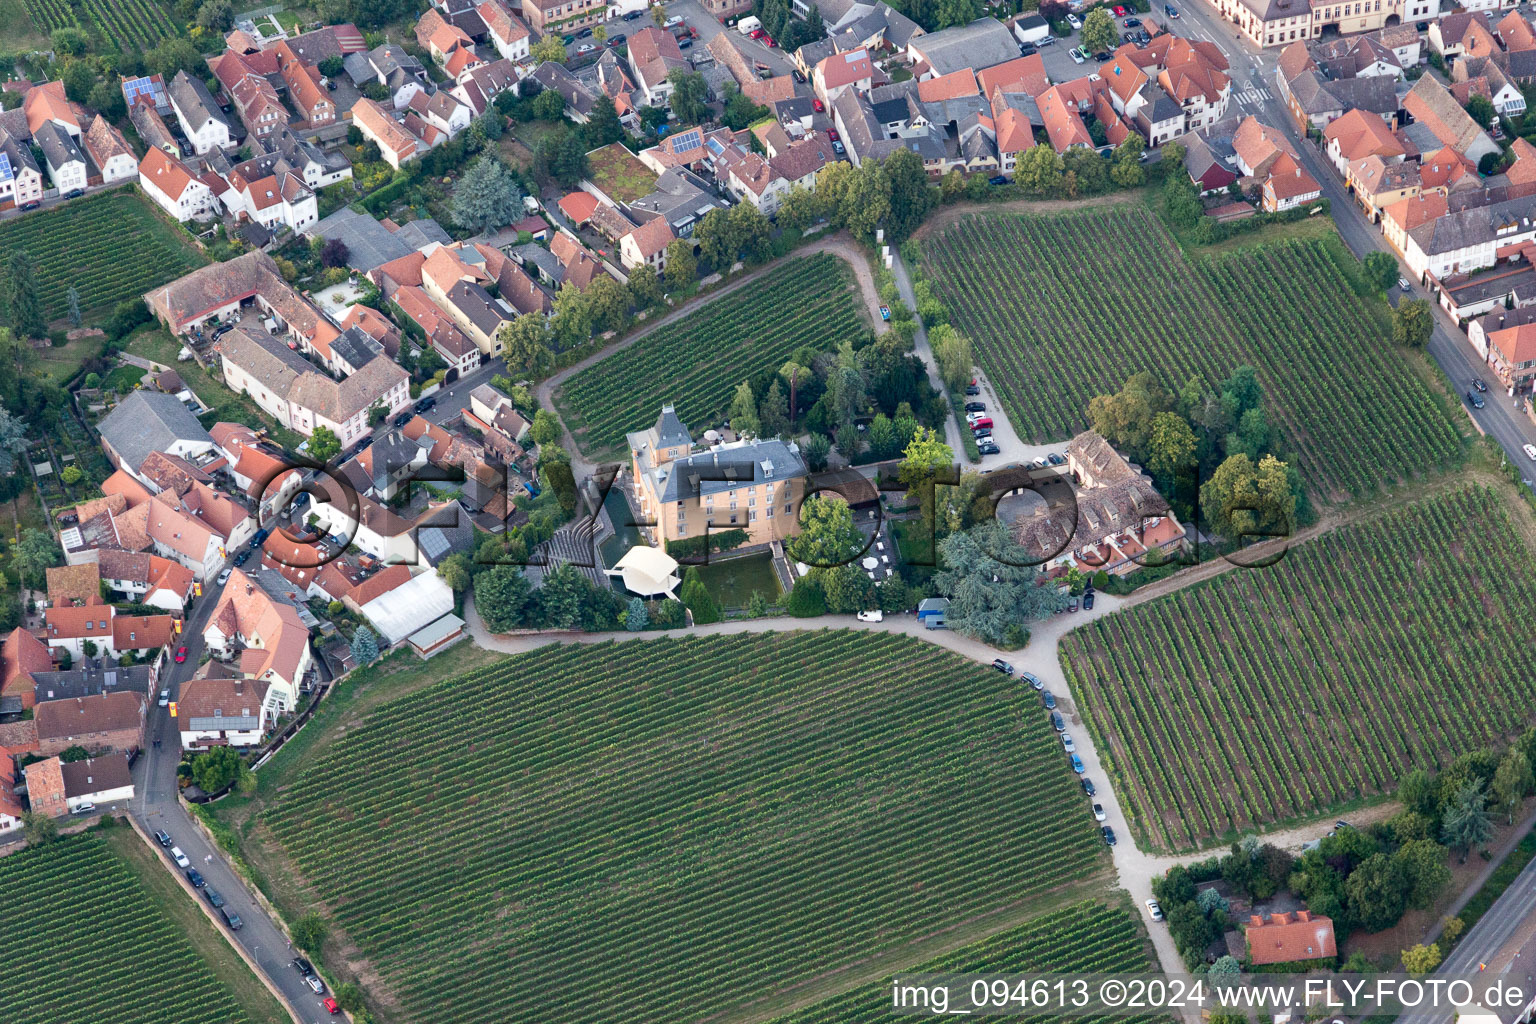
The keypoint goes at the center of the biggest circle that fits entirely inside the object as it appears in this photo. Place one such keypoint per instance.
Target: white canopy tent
(647, 571)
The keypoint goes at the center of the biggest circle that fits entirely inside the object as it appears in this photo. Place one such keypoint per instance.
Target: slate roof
(147, 421)
(193, 99)
(730, 466)
(58, 146)
(96, 775)
(978, 45)
(93, 677)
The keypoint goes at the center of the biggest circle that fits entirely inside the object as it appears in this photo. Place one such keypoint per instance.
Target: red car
(181, 655)
(832, 134)
(1121, 12)
(818, 105)
(331, 1005)
(769, 41)
(758, 33)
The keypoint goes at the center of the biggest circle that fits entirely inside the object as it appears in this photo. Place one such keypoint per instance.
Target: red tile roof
(1286, 938)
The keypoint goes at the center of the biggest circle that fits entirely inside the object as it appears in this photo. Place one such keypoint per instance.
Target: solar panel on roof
(6, 173)
(715, 147)
(687, 140)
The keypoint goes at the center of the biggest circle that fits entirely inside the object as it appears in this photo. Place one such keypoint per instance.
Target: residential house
(505, 30)
(1507, 340)
(201, 119)
(153, 130)
(101, 723)
(109, 152)
(1515, 32)
(1358, 135)
(392, 67)
(146, 91)
(305, 89)
(97, 781)
(258, 638)
(45, 787)
(146, 578)
(557, 16)
(752, 485)
(1290, 938)
(981, 44)
(217, 710)
(267, 191)
(257, 467)
(439, 36)
(21, 180)
(1485, 75)
(1268, 23)
(1288, 185)
(22, 655)
(1315, 96)
(249, 80)
(653, 55)
(63, 157)
(1435, 112)
(1460, 242)
(1464, 33)
(46, 103)
(841, 72)
(458, 287)
(478, 87)
(146, 422)
(396, 144)
(316, 167)
(175, 188)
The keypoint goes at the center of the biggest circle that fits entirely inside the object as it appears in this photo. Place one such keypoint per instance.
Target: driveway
(708, 27)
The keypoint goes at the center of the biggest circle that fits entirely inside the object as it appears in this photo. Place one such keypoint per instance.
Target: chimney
(1303, 916)
(1255, 921)
(1281, 918)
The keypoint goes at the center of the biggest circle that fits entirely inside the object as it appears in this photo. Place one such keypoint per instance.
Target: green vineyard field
(696, 362)
(685, 826)
(1085, 937)
(82, 941)
(131, 26)
(1268, 694)
(111, 246)
(1064, 308)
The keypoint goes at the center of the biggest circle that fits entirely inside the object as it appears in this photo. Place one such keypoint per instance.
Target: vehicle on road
(1108, 834)
(1131, 22)
(1067, 744)
(223, 577)
(1049, 700)
(676, 19)
(1402, 283)
(426, 403)
(232, 919)
(331, 1005)
(84, 807)
(181, 654)
(997, 179)
(1530, 452)
(214, 897)
(972, 390)
(832, 134)
(1098, 812)
(1002, 666)
(180, 858)
(872, 616)
(165, 698)
(1055, 460)
(1088, 786)
(1075, 22)
(1155, 909)
(1171, 11)
(163, 837)
(1057, 722)
(632, 15)
(1478, 382)
(1078, 54)
(975, 407)
(402, 419)
(818, 106)
(302, 965)
(315, 984)
(1476, 399)
(982, 421)
(1077, 764)
(838, 147)
(1032, 679)
(196, 878)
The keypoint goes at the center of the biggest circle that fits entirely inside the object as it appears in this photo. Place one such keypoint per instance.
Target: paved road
(1255, 90)
(156, 807)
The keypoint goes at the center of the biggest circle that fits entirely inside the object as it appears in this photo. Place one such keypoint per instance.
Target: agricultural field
(131, 26)
(111, 246)
(83, 941)
(697, 361)
(1266, 695)
(689, 826)
(1060, 309)
(1085, 937)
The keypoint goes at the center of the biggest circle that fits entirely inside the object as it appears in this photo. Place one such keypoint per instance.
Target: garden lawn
(83, 939)
(1273, 694)
(1060, 309)
(697, 361)
(690, 826)
(731, 581)
(110, 246)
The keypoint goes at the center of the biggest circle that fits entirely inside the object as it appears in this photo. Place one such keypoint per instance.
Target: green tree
(1380, 270)
(993, 591)
(456, 572)
(216, 15)
(525, 345)
(1098, 32)
(740, 111)
(71, 475)
(1039, 170)
(1512, 783)
(867, 203)
(350, 997)
(1171, 447)
(1125, 169)
(743, 412)
(218, 769)
(1481, 109)
(697, 598)
(816, 449)
(72, 754)
(848, 590)
(38, 829)
(952, 353)
(1126, 417)
(78, 78)
(21, 301)
(548, 105)
(883, 440)
(644, 286)
(1181, 201)
(1422, 862)
(13, 441)
(828, 536)
(1376, 893)
(545, 428)
(68, 41)
(1418, 792)
(1421, 959)
(773, 412)
(1243, 501)
(800, 209)
(636, 617)
(912, 197)
(548, 48)
(1412, 322)
(365, 647)
(309, 933)
(324, 445)
(488, 195)
(682, 266)
(602, 127)
(34, 555)
(502, 594)
(1465, 822)
(1225, 965)
(688, 94)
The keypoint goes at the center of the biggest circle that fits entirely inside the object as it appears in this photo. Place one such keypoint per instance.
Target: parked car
(585, 48)
(818, 106)
(1032, 680)
(1131, 22)
(997, 179)
(331, 1005)
(874, 616)
(685, 44)
(180, 858)
(984, 421)
(799, 75)
(1171, 11)
(163, 837)
(1119, 11)
(1103, 55)
(975, 407)
(1075, 22)
(988, 448)
(1088, 786)
(676, 19)
(1108, 834)
(196, 878)
(1039, 463)
(214, 897)
(1128, 37)
(1047, 41)
(1476, 399)
(832, 134)
(885, 312)
(1078, 54)
(1402, 283)
(1025, 49)
(1077, 764)
(1098, 813)
(181, 654)
(1478, 383)
(972, 390)
(84, 807)
(1057, 722)
(426, 403)
(1530, 452)
(403, 419)
(302, 966)
(1055, 460)
(632, 15)
(1002, 666)
(838, 147)
(1155, 909)
(165, 700)
(314, 982)
(223, 577)
(232, 919)
(1088, 602)
(1049, 700)
(1067, 744)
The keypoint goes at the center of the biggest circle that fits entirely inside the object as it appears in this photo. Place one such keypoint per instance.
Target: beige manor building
(754, 485)
(1278, 22)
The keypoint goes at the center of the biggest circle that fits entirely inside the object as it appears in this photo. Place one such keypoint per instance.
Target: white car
(85, 807)
(1098, 812)
(1155, 910)
(165, 698)
(180, 858)
(676, 19)
(585, 48)
(1078, 56)
(1075, 22)
(874, 616)
(1530, 452)
(224, 576)
(1066, 741)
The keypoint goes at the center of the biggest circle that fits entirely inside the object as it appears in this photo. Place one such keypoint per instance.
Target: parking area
(708, 26)
(1057, 55)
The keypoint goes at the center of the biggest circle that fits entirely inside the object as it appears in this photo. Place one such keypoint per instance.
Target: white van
(875, 616)
(1530, 452)
(746, 26)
